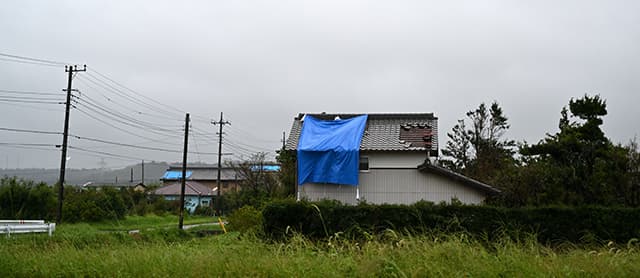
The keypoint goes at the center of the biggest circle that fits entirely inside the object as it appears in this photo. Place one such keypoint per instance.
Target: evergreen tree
(587, 167)
(479, 150)
(287, 174)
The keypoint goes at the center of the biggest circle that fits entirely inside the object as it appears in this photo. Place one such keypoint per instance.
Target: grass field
(150, 221)
(86, 250)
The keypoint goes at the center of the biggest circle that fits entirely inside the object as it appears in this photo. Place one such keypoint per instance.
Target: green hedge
(549, 224)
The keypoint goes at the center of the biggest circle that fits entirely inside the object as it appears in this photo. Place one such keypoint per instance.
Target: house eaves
(428, 167)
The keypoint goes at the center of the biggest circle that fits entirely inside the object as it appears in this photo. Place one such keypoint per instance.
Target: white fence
(26, 226)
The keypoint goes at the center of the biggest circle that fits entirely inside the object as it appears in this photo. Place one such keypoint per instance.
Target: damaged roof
(384, 131)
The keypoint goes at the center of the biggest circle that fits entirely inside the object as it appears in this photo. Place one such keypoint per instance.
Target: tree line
(24, 199)
(578, 165)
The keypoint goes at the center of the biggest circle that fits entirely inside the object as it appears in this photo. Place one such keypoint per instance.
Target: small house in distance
(138, 187)
(195, 194)
(206, 176)
(395, 163)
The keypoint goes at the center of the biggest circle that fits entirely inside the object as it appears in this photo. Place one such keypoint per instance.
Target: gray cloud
(261, 62)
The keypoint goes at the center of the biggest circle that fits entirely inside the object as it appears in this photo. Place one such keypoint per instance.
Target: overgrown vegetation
(81, 250)
(257, 186)
(20, 199)
(246, 219)
(549, 224)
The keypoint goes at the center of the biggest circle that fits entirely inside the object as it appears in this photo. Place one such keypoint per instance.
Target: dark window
(364, 163)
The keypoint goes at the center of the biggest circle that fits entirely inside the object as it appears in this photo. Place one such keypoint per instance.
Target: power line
(29, 101)
(30, 131)
(124, 119)
(203, 133)
(136, 146)
(109, 87)
(30, 93)
(110, 99)
(27, 62)
(32, 59)
(237, 142)
(105, 153)
(124, 122)
(240, 147)
(177, 111)
(28, 148)
(39, 108)
(249, 147)
(160, 140)
(96, 103)
(245, 133)
(233, 146)
(123, 144)
(195, 143)
(31, 98)
(28, 144)
(158, 107)
(112, 125)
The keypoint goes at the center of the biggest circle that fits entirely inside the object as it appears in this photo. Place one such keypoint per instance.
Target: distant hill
(153, 171)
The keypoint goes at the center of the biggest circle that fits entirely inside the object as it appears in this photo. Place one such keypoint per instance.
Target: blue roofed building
(205, 175)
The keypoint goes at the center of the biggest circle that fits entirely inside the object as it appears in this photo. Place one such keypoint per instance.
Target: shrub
(93, 205)
(550, 224)
(21, 199)
(246, 219)
(204, 211)
(236, 199)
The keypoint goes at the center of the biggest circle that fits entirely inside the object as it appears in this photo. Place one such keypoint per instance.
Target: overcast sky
(262, 62)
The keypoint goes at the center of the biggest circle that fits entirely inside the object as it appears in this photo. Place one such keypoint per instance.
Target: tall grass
(83, 250)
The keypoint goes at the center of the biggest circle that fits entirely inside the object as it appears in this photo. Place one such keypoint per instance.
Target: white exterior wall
(394, 178)
(395, 159)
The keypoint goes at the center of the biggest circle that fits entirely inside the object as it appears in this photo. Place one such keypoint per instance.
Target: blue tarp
(174, 175)
(328, 151)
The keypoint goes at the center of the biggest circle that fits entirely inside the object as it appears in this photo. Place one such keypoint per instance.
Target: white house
(396, 154)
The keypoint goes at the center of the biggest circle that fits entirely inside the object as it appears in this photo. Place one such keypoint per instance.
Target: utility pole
(142, 178)
(184, 170)
(63, 160)
(222, 122)
(283, 140)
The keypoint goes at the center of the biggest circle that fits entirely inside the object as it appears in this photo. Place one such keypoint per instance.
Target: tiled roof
(191, 188)
(456, 176)
(382, 132)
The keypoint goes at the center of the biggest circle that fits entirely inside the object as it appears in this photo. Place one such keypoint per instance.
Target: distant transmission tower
(102, 164)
